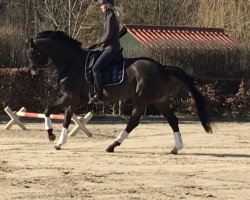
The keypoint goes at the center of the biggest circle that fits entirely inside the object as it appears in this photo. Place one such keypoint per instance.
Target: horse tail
(197, 96)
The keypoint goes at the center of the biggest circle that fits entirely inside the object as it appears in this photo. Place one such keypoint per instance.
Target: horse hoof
(58, 147)
(174, 151)
(110, 149)
(52, 137)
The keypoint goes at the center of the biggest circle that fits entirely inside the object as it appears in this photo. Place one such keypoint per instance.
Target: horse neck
(63, 56)
(70, 62)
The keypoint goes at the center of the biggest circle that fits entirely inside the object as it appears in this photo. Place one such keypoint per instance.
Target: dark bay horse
(146, 82)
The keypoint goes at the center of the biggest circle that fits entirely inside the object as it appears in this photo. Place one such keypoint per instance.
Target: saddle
(113, 75)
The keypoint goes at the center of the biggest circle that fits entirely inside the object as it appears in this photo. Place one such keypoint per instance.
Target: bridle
(34, 53)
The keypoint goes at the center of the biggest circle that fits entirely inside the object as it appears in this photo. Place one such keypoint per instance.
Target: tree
(68, 15)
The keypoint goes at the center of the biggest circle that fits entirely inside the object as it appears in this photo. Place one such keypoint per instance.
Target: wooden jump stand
(79, 121)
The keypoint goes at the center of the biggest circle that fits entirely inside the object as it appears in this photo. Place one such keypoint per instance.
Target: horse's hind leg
(173, 122)
(132, 123)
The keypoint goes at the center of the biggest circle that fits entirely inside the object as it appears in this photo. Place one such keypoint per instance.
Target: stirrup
(96, 99)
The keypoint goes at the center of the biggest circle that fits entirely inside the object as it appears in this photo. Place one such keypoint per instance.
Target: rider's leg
(102, 62)
(99, 85)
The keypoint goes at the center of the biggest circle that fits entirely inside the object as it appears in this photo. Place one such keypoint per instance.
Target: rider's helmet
(112, 2)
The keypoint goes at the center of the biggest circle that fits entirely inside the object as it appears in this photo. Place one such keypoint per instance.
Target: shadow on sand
(110, 119)
(221, 155)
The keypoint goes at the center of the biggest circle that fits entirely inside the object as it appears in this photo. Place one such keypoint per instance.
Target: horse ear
(32, 44)
(27, 42)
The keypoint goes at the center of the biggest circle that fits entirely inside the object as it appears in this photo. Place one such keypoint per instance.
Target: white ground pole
(79, 121)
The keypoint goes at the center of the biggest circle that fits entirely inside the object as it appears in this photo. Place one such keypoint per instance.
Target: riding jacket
(110, 37)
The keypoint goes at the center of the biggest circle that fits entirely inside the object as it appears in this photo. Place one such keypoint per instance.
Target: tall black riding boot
(99, 85)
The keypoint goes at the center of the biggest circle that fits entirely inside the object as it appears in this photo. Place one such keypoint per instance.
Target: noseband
(34, 53)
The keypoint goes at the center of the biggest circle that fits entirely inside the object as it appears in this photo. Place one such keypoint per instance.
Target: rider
(110, 43)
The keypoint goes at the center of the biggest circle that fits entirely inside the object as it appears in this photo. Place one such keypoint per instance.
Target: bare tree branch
(67, 15)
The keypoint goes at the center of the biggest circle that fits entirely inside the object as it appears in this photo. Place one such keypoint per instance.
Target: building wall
(131, 47)
(216, 64)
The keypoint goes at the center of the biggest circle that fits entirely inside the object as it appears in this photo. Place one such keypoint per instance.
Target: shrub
(18, 88)
(240, 102)
(212, 95)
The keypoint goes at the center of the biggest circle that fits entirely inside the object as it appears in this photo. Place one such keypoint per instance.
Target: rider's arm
(123, 32)
(109, 30)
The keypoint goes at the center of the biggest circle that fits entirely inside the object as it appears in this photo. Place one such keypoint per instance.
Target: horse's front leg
(64, 134)
(59, 104)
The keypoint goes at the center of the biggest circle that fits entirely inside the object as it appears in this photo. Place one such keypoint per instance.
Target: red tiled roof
(181, 37)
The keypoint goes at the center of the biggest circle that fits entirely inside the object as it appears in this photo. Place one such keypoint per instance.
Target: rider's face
(103, 8)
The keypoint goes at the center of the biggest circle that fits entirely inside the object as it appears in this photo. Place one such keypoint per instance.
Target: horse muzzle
(36, 71)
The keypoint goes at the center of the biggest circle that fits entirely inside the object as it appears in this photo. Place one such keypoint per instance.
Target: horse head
(57, 46)
(37, 59)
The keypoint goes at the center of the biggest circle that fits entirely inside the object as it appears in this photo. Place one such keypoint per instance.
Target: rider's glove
(93, 46)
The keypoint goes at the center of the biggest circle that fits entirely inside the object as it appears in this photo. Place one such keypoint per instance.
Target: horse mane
(60, 35)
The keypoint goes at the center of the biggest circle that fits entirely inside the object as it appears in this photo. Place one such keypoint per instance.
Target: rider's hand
(93, 46)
